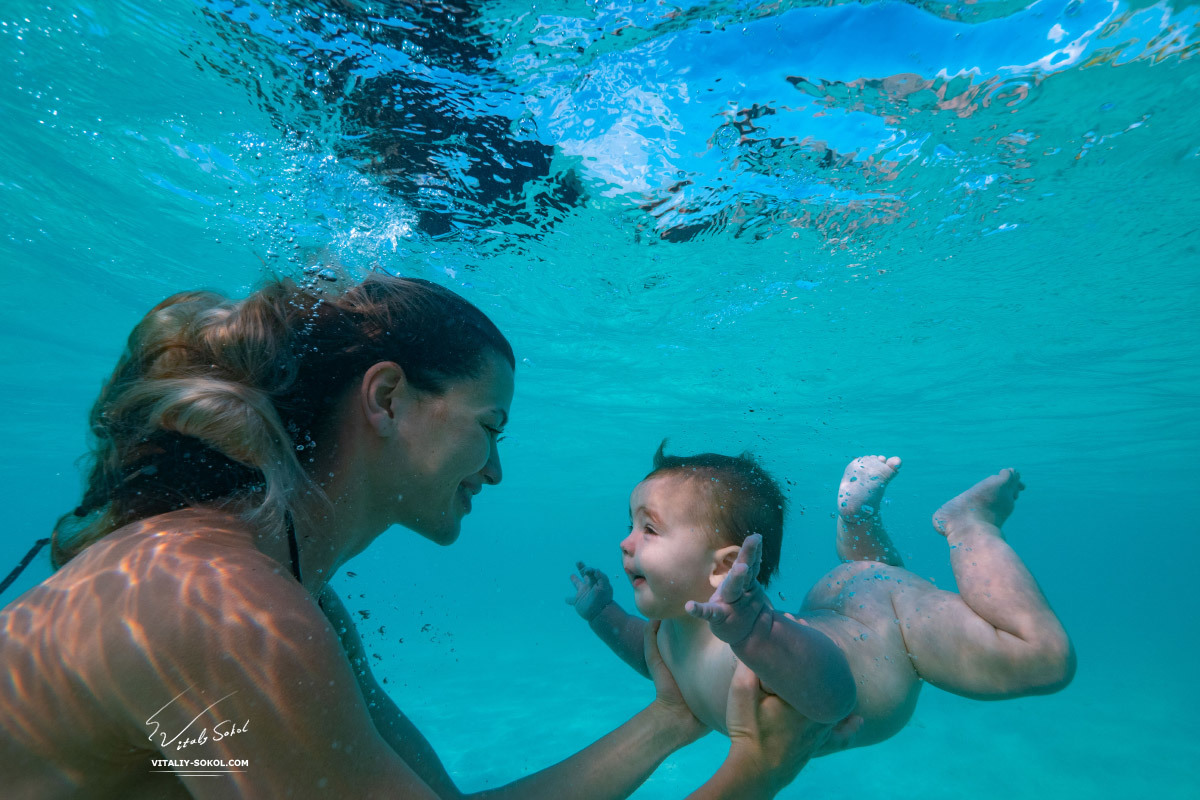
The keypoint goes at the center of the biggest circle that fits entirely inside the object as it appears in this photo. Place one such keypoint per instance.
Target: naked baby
(705, 538)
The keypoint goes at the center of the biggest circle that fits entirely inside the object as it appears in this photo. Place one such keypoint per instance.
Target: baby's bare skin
(860, 532)
(997, 638)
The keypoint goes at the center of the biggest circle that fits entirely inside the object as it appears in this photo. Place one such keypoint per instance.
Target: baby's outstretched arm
(620, 631)
(800, 664)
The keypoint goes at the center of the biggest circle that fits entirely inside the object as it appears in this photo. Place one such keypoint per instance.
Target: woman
(189, 644)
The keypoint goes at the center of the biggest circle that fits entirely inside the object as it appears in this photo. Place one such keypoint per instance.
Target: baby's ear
(723, 560)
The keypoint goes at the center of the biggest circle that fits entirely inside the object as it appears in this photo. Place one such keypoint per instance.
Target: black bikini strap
(33, 551)
(294, 549)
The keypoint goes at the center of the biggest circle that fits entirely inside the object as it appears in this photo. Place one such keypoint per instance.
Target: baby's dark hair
(743, 499)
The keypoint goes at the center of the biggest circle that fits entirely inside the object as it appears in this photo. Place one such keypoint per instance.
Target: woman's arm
(395, 728)
(232, 664)
(610, 768)
(770, 742)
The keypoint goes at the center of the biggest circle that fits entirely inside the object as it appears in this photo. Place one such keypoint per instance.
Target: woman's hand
(593, 592)
(667, 694)
(770, 742)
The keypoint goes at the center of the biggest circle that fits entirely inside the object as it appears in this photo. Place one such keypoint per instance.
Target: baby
(705, 538)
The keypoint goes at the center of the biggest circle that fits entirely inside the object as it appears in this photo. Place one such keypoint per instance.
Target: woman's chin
(447, 536)
(443, 533)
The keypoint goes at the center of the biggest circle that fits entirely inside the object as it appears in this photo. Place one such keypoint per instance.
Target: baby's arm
(799, 663)
(620, 631)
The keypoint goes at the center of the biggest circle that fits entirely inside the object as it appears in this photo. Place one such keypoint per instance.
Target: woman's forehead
(493, 387)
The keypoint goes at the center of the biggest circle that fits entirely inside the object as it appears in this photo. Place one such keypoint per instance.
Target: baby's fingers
(751, 553)
(591, 573)
(709, 612)
(735, 583)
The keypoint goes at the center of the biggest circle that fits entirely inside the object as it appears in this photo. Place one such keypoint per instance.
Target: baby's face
(667, 554)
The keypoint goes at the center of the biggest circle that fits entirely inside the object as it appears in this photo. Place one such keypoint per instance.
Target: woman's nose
(492, 472)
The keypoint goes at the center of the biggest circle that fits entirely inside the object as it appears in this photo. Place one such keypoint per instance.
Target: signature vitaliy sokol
(221, 730)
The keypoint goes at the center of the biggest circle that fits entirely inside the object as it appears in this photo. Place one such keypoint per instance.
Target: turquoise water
(961, 233)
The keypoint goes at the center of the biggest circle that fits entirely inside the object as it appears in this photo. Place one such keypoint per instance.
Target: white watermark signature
(192, 734)
(198, 763)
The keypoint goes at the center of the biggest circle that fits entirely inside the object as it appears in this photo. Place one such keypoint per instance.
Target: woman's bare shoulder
(179, 589)
(195, 548)
(176, 630)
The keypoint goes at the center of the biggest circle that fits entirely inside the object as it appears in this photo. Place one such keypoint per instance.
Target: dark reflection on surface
(407, 91)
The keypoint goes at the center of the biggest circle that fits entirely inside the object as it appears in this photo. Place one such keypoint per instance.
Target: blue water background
(1011, 281)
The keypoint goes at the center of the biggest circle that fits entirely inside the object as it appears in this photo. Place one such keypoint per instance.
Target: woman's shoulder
(187, 545)
(160, 605)
(186, 580)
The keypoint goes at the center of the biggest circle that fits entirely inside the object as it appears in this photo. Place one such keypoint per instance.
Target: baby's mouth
(637, 579)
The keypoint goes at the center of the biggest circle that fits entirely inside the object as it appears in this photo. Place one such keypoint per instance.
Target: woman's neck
(332, 529)
(349, 513)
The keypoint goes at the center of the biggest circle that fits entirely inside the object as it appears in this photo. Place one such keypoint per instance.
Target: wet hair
(215, 401)
(742, 499)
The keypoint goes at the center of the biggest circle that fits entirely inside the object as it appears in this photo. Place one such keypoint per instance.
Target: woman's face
(449, 451)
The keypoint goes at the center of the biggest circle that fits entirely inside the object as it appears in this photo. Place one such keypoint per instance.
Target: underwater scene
(962, 233)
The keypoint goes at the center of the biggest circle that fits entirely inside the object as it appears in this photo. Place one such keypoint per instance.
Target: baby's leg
(860, 532)
(998, 637)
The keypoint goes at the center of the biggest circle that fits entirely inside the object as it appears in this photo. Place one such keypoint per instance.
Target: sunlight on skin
(160, 585)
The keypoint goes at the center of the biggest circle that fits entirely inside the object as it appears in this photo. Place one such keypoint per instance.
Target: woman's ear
(382, 392)
(723, 561)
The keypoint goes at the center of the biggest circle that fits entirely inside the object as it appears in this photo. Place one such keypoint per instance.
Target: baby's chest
(703, 679)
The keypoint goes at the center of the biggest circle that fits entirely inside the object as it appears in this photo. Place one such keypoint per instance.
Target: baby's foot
(988, 502)
(862, 486)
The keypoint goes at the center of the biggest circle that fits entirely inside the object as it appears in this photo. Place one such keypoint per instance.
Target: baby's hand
(737, 603)
(593, 592)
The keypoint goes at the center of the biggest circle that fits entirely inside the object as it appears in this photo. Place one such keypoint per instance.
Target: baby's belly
(705, 687)
(886, 681)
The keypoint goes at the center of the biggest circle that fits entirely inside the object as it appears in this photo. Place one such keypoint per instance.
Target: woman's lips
(465, 493)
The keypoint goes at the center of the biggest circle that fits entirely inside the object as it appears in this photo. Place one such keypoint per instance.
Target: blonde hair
(214, 401)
